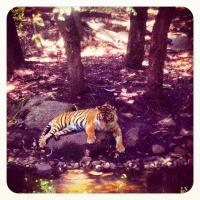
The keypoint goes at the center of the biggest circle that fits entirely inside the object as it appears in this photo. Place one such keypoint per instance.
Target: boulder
(40, 115)
(181, 42)
(36, 100)
(74, 146)
(132, 136)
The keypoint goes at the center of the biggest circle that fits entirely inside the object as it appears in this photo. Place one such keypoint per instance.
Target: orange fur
(102, 118)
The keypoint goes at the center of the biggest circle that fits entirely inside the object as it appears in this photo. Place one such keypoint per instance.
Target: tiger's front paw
(120, 148)
(42, 143)
(91, 139)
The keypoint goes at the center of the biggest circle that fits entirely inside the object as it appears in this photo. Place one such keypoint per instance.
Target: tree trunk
(157, 53)
(70, 31)
(136, 38)
(14, 51)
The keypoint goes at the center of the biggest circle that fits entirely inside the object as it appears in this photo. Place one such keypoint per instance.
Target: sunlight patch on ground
(10, 87)
(95, 25)
(24, 72)
(41, 59)
(111, 36)
(92, 51)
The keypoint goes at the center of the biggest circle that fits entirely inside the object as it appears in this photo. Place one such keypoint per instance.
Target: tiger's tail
(44, 136)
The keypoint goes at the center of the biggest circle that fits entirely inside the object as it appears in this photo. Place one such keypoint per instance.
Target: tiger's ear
(98, 107)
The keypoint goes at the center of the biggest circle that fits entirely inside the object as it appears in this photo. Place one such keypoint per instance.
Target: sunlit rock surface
(40, 115)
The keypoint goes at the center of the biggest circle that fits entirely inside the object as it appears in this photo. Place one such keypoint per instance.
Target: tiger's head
(107, 114)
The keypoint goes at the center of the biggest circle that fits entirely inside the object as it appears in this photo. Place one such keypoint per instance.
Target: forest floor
(108, 79)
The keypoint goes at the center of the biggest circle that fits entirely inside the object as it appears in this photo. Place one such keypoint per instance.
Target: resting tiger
(100, 118)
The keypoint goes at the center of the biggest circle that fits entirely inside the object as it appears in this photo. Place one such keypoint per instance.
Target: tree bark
(157, 53)
(136, 38)
(71, 32)
(14, 51)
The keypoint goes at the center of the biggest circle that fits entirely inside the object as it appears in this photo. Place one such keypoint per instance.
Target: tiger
(102, 117)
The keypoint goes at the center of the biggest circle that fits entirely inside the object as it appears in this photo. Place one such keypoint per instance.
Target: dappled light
(10, 87)
(24, 72)
(78, 181)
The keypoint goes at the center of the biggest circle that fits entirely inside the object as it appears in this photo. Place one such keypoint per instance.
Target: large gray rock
(35, 101)
(42, 113)
(77, 139)
(74, 146)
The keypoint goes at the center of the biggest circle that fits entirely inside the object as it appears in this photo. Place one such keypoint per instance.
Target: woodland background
(138, 59)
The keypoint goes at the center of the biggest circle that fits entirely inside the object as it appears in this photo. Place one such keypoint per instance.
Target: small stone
(62, 158)
(128, 115)
(96, 162)
(60, 169)
(112, 166)
(10, 159)
(76, 165)
(185, 132)
(180, 150)
(106, 165)
(123, 176)
(86, 159)
(116, 155)
(157, 149)
(43, 168)
(15, 150)
(130, 164)
(98, 167)
(60, 164)
(51, 162)
(168, 121)
(172, 145)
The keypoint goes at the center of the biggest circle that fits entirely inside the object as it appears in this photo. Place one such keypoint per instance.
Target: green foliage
(37, 19)
(18, 13)
(43, 186)
(19, 17)
(46, 186)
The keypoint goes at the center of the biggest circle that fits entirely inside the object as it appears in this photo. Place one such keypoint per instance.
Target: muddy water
(177, 180)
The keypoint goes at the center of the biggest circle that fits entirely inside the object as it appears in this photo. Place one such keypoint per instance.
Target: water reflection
(77, 181)
(176, 180)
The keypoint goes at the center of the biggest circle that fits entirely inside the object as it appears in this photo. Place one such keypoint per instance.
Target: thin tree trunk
(157, 53)
(14, 51)
(70, 32)
(136, 38)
